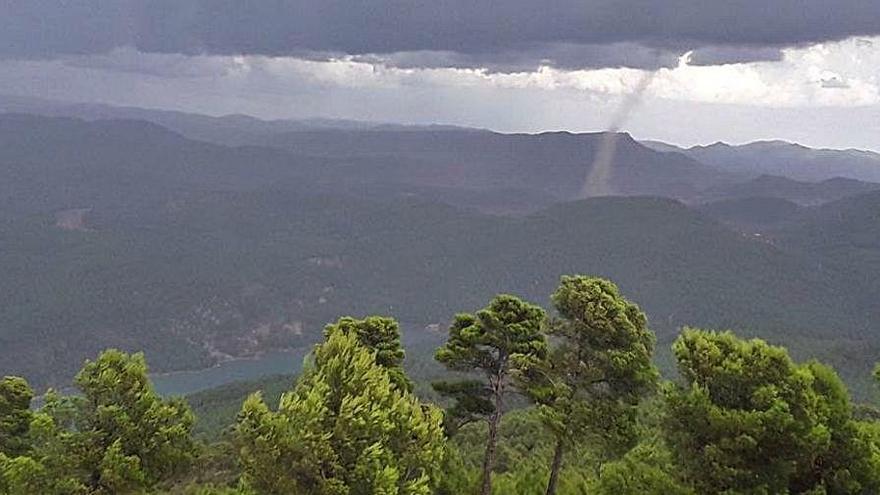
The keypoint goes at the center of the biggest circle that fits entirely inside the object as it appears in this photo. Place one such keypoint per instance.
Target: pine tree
(747, 419)
(498, 341)
(646, 469)
(381, 335)
(345, 428)
(128, 435)
(116, 436)
(15, 415)
(598, 371)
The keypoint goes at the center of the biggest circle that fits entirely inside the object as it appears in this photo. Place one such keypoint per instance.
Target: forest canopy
(565, 402)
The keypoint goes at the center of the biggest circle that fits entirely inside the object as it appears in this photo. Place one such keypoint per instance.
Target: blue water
(271, 363)
(417, 342)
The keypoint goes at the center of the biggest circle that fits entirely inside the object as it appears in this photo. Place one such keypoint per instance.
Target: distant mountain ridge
(784, 159)
(800, 192)
(403, 154)
(559, 163)
(123, 233)
(233, 129)
(546, 167)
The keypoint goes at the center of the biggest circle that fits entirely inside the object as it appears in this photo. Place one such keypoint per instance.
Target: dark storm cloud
(719, 55)
(485, 31)
(47, 28)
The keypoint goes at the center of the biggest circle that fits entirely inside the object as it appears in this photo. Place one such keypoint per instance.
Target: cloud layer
(735, 70)
(508, 34)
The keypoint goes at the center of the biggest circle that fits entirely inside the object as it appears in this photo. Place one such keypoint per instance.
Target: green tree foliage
(520, 466)
(15, 415)
(498, 341)
(381, 335)
(22, 475)
(117, 436)
(648, 468)
(345, 428)
(590, 386)
(748, 420)
(51, 465)
(745, 419)
(471, 401)
(877, 374)
(129, 437)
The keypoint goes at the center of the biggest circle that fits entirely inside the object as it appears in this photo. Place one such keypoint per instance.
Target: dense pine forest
(561, 402)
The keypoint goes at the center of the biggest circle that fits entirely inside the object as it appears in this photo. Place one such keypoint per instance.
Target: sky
(682, 71)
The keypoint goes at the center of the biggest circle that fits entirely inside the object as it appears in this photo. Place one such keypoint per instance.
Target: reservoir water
(179, 383)
(419, 344)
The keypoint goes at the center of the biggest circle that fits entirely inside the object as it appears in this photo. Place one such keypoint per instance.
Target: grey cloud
(152, 64)
(508, 109)
(559, 55)
(720, 55)
(48, 28)
(484, 30)
(834, 83)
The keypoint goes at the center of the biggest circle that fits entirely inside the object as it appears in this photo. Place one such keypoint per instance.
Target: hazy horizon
(319, 117)
(797, 71)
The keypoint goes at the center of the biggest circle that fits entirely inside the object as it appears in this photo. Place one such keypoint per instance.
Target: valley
(197, 252)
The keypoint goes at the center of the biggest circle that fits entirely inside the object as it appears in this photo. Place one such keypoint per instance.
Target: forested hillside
(234, 273)
(565, 401)
(125, 234)
(800, 192)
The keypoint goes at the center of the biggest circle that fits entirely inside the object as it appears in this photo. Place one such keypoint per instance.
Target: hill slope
(234, 273)
(558, 163)
(845, 235)
(125, 234)
(800, 192)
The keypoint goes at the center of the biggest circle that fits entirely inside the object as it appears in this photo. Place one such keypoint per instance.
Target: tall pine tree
(747, 419)
(498, 342)
(598, 371)
(345, 428)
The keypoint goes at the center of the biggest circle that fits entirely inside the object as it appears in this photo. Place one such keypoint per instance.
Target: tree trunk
(489, 458)
(555, 467)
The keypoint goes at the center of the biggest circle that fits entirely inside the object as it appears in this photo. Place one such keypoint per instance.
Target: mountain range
(783, 159)
(127, 233)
